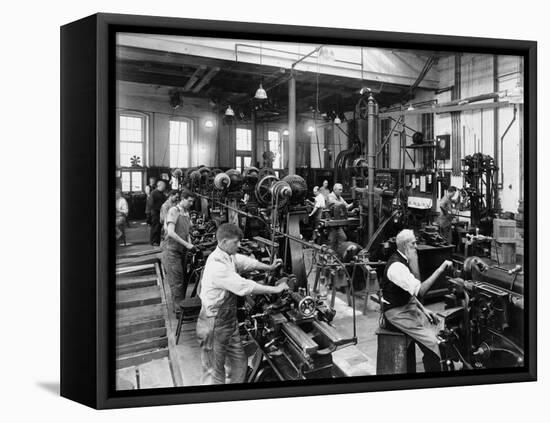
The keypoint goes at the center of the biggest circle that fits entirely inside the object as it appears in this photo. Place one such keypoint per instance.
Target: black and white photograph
(292, 211)
(280, 211)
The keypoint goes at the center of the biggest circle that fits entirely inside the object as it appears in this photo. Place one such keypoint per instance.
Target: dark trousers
(155, 227)
(429, 359)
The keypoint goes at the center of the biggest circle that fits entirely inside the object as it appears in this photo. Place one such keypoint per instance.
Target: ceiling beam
(206, 79)
(379, 64)
(194, 78)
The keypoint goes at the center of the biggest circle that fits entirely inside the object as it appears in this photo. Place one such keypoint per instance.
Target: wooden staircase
(142, 339)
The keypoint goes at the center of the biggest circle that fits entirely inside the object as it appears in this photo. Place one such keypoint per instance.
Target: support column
(254, 139)
(371, 156)
(292, 124)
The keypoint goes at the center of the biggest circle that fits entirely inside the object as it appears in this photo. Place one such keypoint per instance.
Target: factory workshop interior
(290, 211)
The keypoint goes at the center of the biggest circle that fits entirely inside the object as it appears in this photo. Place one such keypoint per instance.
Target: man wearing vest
(401, 290)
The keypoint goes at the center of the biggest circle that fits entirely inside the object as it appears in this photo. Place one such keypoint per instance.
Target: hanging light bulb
(310, 129)
(208, 124)
(285, 133)
(337, 121)
(229, 111)
(260, 93)
(410, 107)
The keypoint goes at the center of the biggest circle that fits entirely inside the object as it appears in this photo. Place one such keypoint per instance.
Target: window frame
(144, 148)
(281, 146)
(190, 129)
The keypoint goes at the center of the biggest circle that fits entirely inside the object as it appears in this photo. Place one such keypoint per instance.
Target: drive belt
(296, 250)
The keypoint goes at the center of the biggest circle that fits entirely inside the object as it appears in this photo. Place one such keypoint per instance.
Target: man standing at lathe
(401, 291)
(217, 326)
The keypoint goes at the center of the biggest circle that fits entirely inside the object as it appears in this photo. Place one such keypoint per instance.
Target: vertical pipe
(521, 137)
(371, 156)
(254, 139)
(292, 124)
(495, 127)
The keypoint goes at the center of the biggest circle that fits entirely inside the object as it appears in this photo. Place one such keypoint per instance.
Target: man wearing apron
(217, 327)
(402, 309)
(176, 244)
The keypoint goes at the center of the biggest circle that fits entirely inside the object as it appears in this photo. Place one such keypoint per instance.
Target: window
(244, 139)
(243, 144)
(179, 143)
(242, 162)
(132, 139)
(132, 181)
(276, 147)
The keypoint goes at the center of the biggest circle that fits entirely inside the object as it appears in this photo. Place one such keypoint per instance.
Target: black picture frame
(87, 166)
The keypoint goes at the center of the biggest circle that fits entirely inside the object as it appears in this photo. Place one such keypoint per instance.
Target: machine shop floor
(357, 360)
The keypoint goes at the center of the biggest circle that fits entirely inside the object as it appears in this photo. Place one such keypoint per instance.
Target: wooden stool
(396, 353)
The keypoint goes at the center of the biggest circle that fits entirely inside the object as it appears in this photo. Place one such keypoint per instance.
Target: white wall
(477, 126)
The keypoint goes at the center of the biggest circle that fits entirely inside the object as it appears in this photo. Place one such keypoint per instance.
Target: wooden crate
(504, 230)
(503, 252)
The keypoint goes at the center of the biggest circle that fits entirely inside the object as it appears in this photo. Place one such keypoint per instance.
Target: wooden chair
(190, 307)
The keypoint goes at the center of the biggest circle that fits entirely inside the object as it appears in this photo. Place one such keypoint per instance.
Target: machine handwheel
(263, 189)
(307, 306)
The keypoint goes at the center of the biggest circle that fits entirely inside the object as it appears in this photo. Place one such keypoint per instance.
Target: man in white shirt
(319, 205)
(401, 290)
(339, 208)
(121, 212)
(335, 197)
(217, 327)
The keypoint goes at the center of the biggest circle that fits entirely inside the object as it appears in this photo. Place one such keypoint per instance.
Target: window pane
(247, 161)
(244, 139)
(137, 181)
(179, 143)
(178, 155)
(238, 163)
(131, 128)
(179, 132)
(273, 135)
(131, 138)
(125, 179)
(128, 150)
(276, 147)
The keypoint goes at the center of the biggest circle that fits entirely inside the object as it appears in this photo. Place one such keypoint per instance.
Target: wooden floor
(147, 356)
(144, 359)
